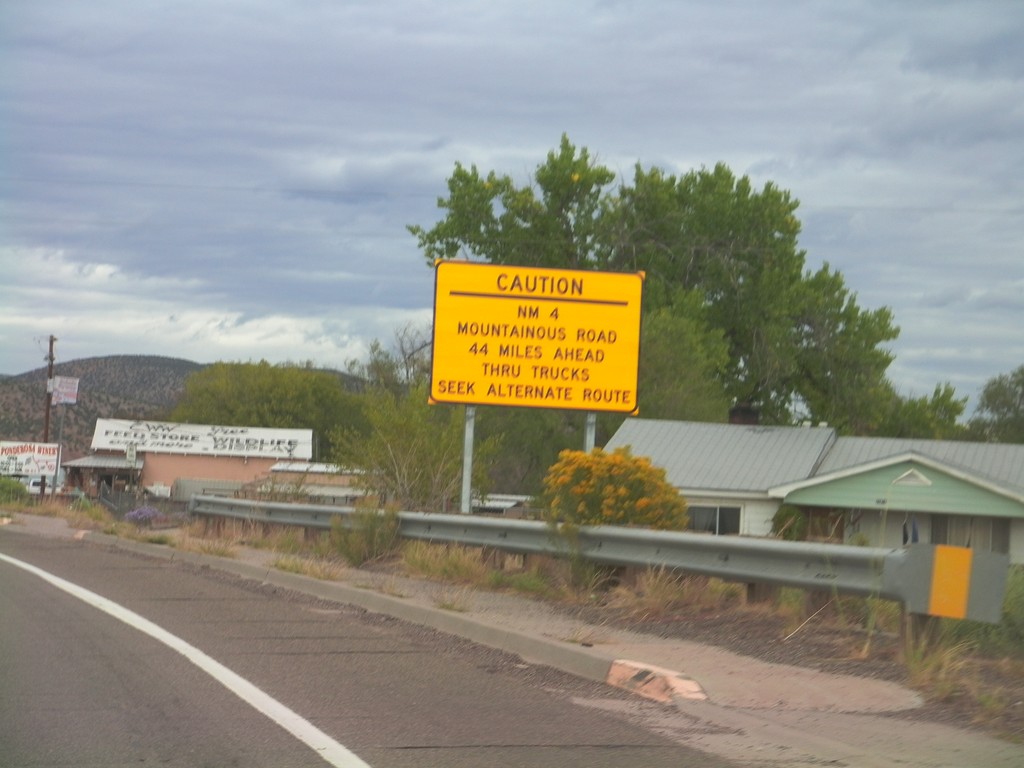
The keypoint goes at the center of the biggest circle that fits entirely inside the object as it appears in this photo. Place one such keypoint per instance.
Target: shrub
(144, 516)
(12, 491)
(789, 523)
(616, 488)
(449, 562)
(370, 535)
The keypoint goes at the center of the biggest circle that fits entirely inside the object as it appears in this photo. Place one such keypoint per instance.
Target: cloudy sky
(229, 180)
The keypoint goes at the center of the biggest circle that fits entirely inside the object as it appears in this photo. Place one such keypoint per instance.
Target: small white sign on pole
(65, 390)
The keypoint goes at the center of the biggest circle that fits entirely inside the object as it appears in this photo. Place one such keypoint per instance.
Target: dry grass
(314, 567)
(211, 547)
(390, 587)
(454, 599)
(446, 562)
(81, 515)
(939, 669)
(658, 592)
(532, 582)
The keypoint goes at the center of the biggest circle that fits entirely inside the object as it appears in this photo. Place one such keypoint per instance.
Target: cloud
(234, 179)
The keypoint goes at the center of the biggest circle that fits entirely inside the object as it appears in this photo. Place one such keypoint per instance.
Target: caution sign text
(542, 338)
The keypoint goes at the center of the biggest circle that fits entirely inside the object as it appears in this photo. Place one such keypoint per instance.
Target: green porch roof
(906, 483)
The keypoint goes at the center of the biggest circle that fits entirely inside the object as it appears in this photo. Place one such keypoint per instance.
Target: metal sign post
(467, 462)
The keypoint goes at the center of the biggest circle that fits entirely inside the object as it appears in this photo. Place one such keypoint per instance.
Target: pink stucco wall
(165, 468)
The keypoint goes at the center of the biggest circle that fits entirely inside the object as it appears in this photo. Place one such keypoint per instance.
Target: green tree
(930, 418)
(262, 395)
(793, 341)
(406, 363)
(411, 455)
(556, 223)
(999, 416)
(840, 361)
(528, 442)
(681, 364)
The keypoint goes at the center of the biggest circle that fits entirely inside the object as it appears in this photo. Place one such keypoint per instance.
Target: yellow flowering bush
(616, 488)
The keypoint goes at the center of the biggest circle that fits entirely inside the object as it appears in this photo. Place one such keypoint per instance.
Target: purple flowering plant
(144, 516)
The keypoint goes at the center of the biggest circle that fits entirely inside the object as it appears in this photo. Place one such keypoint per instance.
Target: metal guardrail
(907, 574)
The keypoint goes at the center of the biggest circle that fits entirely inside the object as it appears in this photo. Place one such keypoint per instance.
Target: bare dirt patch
(967, 689)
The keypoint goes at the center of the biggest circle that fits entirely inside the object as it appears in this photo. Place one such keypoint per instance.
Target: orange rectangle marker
(951, 582)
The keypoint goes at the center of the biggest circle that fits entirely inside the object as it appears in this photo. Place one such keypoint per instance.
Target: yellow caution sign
(542, 338)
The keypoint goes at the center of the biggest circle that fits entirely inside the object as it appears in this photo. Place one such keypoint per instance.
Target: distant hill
(115, 387)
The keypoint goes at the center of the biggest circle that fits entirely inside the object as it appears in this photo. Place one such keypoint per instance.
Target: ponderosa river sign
(531, 337)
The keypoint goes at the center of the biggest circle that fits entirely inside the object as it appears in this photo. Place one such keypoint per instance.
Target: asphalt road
(81, 688)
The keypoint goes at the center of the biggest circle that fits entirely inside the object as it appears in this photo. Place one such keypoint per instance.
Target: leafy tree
(999, 416)
(680, 365)
(528, 442)
(930, 418)
(795, 339)
(411, 452)
(840, 361)
(262, 395)
(555, 224)
(616, 488)
(792, 340)
(395, 369)
(411, 455)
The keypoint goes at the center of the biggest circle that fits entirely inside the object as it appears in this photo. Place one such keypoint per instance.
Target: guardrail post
(758, 592)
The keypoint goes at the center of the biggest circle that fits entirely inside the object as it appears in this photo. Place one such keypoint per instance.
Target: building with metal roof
(879, 491)
(175, 460)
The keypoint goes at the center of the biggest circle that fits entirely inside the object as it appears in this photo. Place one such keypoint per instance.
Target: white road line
(331, 751)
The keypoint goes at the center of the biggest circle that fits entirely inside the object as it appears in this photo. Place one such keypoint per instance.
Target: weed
(453, 599)
(992, 705)
(391, 588)
(212, 547)
(369, 534)
(317, 568)
(791, 605)
(530, 583)
(446, 562)
(936, 667)
(586, 581)
(321, 546)
(280, 539)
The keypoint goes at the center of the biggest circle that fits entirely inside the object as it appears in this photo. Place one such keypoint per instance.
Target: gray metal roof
(725, 457)
(752, 459)
(999, 463)
(103, 462)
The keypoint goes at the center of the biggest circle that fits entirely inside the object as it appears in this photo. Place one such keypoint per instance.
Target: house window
(990, 534)
(722, 521)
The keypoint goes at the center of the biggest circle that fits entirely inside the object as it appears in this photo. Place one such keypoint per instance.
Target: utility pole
(49, 405)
